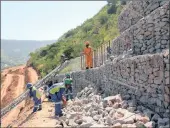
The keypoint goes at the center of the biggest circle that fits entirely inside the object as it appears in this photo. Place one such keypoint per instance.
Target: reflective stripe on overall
(37, 99)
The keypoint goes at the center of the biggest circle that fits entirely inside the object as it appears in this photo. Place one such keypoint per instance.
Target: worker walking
(36, 97)
(88, 55)
(58, 92)
(68, 85)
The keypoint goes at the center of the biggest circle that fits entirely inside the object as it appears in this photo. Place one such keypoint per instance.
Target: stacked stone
(166, 83)
(144, 78)
(136, 10)
(130, 15)
(149, 35)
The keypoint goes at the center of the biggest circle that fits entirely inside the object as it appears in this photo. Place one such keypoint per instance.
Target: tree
(68, 52)
(43, 53)
(112, 9)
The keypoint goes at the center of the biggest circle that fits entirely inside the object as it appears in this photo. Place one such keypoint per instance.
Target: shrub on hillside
(112, 9)
(103, 19)
(69, 33)
(68, 52)
(43, 53)
(87, 27)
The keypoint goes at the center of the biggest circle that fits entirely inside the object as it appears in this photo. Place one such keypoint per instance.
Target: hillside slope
(102, 27)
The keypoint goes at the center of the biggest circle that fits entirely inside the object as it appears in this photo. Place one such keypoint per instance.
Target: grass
(74, 65)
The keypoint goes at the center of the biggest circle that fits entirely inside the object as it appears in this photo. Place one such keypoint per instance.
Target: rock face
(102, 113)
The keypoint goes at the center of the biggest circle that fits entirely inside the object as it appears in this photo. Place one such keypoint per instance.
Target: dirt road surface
(43, 118)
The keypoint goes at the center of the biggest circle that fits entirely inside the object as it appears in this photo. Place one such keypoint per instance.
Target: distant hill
(101, 27)
(14, 52)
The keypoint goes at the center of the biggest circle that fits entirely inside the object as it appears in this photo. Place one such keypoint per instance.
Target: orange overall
(89, 57)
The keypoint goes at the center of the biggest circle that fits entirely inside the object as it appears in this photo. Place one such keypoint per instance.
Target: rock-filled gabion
(136, 10)
(145, 78)
(149, 35)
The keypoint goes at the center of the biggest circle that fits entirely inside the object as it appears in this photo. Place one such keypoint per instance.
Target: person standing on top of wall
(88, 51)
(68, 85)
(36, 97)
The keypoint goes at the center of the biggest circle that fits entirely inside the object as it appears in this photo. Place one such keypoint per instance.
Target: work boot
(56, 116)
(39, 109)
(61, 115)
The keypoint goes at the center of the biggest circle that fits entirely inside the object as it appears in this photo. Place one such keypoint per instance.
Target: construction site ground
(12, 85)
(90, 110)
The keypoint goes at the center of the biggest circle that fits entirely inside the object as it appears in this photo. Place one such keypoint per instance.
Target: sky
(44, 20)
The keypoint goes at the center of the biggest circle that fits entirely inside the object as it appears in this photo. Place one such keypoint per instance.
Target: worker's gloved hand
(66, 86)
(45, 88)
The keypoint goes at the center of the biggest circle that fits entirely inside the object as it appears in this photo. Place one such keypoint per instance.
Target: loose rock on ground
(90, 110)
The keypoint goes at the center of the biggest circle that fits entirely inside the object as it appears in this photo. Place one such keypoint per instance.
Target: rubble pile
(89, 110)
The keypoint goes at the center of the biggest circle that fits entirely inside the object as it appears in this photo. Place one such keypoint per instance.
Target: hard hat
(67, 75)
(87, 42)
(29, 85)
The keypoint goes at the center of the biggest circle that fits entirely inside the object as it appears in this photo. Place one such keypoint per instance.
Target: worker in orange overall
(88, 55)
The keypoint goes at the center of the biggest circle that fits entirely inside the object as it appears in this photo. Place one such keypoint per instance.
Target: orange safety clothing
(89, 56)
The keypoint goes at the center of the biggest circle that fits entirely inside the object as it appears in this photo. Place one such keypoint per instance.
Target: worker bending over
(88, 55)
(68, 85)
(36, 97)
(58, 92)
(53, 96)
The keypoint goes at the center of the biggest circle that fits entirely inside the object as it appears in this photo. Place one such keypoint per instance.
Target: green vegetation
(101, 28)
(74, 65)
